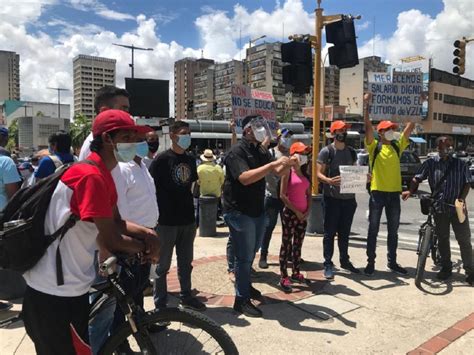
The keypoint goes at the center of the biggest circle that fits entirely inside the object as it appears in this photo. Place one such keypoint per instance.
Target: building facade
(90, 74)
(331, 85)
(184, 71)
(204, 94)
(12, 109)
(450, 110)
(33, 132)
(9, 76)
(353, 82)
(225, 75)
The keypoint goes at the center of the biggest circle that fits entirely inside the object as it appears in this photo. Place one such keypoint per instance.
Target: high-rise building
(353, 82)
(9, 76)
(90, 74)
(331, 85)
(204, 94)
(225, 75)
(266, 74)
(184, 71)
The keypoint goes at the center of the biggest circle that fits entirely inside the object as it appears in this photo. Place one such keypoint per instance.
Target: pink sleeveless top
(296, 191)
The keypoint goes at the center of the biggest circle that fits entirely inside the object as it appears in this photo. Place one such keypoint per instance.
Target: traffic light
(214, 107)
(344, 52)
(299, 71)
(459, 57)
(190, 105)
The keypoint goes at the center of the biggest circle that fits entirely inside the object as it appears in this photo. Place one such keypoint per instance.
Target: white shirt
(86, 147)
(136, 194)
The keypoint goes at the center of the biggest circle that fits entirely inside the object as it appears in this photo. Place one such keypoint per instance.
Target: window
(440, 96)
(436, 96)
(435, 116)
(457, 100)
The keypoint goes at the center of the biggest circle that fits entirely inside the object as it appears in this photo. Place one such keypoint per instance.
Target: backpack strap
(395, 146)
(353, 154)
(332, 154)
(57, 162)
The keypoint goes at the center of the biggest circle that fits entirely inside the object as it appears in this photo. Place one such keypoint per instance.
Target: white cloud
(100, 9)
(22, 11)
(363, 26)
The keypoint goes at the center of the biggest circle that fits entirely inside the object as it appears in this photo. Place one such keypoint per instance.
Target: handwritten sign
(247, 102)
(353, 179)
(396, 97)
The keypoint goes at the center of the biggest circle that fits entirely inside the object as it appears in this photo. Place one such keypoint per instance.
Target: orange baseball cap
(338, 125)
(386, 125)
(299, 147)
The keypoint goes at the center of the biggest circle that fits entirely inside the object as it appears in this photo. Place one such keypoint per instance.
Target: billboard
(148, 97)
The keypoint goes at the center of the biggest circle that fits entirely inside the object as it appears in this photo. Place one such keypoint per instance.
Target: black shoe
(248, 309)
(5, 306)
(369, 269)
(444, 274)
(254, 293)
(396, 268)
(470, 278)
(348, 266)
(262, 264)
(254, 274)
(157, 327)
(193, 303)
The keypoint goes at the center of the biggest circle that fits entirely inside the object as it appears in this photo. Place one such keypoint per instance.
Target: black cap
(247, 119)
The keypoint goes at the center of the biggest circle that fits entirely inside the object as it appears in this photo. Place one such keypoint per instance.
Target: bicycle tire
(185, 316)
(422, 256)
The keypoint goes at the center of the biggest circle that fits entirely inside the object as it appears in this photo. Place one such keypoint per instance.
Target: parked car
(409, 165)
(432, 154)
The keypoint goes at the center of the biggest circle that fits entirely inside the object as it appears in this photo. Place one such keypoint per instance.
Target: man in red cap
(56, 315)
(385, 185)
(339, 208)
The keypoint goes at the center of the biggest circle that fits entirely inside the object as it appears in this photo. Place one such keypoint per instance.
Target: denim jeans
(391, 202)
(273, 207)
(246, 234)
(183, 238)
(462, 232)
(338, 216)
(230, 255)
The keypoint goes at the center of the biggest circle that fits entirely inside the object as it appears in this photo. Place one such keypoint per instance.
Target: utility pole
(59, 99)
(132, 48)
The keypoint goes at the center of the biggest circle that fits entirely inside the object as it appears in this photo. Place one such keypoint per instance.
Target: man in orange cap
(339, 208)
(385, 185)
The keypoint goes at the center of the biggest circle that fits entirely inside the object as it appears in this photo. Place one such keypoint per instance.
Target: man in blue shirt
(60, 148)
(455, 186)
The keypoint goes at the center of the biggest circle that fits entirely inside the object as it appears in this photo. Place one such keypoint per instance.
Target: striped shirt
(458, 176)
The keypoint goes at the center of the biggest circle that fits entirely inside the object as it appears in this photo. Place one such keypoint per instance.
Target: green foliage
(80, 128)
(12, 136)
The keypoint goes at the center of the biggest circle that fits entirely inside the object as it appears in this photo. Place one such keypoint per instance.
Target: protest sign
(247, 102)
(396, 97)
(353, 179)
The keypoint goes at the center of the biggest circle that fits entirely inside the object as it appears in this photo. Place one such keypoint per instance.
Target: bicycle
(427, 240)
(183, 331)
(180, 330)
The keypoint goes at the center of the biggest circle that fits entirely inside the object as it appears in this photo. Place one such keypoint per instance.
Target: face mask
(184, 141)
(285, 142)
(125, 152)
(303, 159)
(153, 146)
(142, 149)
(260, 134)
(389, 135)
(341, 137)
(449, 151)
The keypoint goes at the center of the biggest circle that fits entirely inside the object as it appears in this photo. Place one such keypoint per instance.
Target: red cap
(300, 148)
(386, 125)
(111, 120)
(338, 125)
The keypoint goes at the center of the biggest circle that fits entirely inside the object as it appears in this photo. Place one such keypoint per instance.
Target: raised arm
(369, 129)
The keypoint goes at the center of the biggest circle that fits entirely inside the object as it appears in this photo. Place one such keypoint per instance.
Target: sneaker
(349, 267)
(328, 272)
(396, 268)
(193, 303)
(285, 284)
(300, 279)
(262, 264)
(444, 274)
(470, 278)
(247, 308)
(254, 293)
(5, 306)
(369, 269)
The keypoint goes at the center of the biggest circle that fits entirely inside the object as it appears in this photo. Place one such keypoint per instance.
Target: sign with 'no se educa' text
(396, 97)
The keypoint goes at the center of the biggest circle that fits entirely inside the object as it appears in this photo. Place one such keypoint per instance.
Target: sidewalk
(354, 314)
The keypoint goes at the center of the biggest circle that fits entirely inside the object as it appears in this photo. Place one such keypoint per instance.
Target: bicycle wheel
(423, 254)
(183, 332)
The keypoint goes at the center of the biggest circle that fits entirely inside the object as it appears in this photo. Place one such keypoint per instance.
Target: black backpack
(22, 239)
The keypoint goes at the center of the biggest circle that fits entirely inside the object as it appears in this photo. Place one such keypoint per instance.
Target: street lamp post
(132, 48)
(59, 99)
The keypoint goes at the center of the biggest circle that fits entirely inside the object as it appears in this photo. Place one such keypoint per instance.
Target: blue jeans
(183, 238)
(338, 216)
(273, 207)
(230, 255)
(246, 234)
(391, 202)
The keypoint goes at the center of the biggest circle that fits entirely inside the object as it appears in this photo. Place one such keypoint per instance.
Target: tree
(12, 135)
(80, 128)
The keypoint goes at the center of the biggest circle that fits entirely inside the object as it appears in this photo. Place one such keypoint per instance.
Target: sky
(48, 34)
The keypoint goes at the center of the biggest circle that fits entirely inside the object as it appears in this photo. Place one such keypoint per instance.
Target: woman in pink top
(295, 192)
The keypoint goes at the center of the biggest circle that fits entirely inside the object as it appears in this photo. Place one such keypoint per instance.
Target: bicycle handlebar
(108, 265)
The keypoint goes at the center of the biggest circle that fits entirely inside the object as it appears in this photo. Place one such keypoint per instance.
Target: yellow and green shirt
(386, 175)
